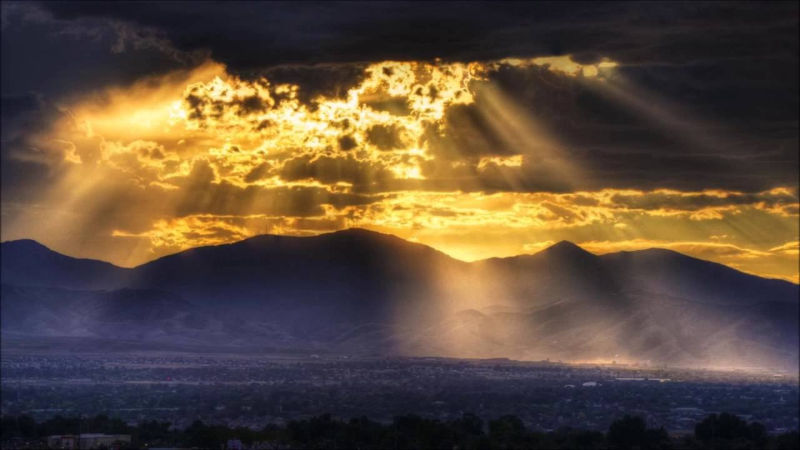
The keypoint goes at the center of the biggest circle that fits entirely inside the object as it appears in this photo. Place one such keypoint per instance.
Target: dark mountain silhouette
(366, 292)
(353, 266)
(682, 276)
(28, 263)
(318, 288)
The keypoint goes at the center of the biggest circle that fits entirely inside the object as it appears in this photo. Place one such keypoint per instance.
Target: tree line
(716, 431)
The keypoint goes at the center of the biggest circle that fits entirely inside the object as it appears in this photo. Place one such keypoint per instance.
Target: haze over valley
(366, 293)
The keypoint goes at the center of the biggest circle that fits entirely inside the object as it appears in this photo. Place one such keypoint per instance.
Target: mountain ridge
(559, 247)
(357, 291)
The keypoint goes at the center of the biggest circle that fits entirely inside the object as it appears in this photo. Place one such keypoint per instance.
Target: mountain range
(361, 292)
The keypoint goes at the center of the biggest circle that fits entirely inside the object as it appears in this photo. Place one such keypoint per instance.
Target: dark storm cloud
(331, 170)
(746, 51)
(258, 172)
(732, 63)
(728, 126)
(329, 80)
(20, 114)
(199, 194)
(697, 202)
(46, 60)
(26, 170)
(227, 199)
(253, 35)
(385, 137)
(467, 133)
(55, 57)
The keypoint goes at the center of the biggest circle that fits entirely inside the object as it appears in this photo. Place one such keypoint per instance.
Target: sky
(135, 130)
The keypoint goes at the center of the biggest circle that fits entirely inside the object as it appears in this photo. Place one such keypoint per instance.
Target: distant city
(256, 391)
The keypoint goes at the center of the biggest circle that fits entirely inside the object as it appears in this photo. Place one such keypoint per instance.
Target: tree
(585, 439)
(468, 425)
(412, 431)
(723, 426)
(153, 432)
(628, 432)
(507, 430)
(18, 426)
(787, 441)
(201, 435)
(758, 433)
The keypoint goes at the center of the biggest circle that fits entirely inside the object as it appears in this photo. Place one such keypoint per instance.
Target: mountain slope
(119, 314)
(360, 291)
(683, 276)
(655, 305)
(321, 287)
(29, 263)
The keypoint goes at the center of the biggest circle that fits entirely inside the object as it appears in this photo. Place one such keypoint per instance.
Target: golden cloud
(203, 157)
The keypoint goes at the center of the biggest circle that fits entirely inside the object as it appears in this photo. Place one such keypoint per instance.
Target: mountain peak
(30, 263)
(361, 233)
(566, 248)
(358, 232)
(24, 244)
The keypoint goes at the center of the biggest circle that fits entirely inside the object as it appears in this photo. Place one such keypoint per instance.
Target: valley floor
(253, 391)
